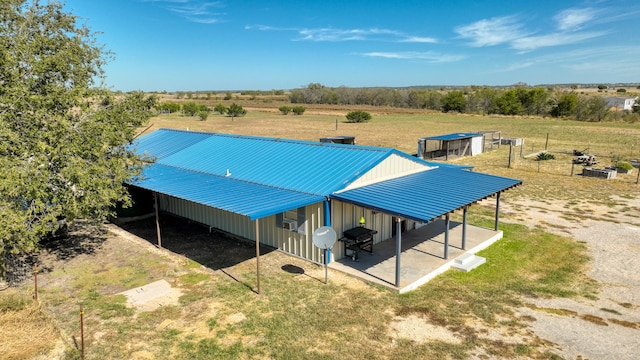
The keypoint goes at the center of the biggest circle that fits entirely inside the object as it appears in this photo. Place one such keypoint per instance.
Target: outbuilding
(457, 144)
(277, 192)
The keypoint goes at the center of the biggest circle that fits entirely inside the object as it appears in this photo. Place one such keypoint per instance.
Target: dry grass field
(401, 129)
(547, 279)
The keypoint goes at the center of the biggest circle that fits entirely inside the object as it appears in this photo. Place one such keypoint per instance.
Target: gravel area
(609, 326)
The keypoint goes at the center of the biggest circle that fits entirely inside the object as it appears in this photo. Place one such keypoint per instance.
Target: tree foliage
(191, 108)
(235, 110)
(298, 110)
(203, 115)
(517, 100)
(454, 101)
(285, 109)
(168, 107)
(63, 140)
(564, 105)
(220, 109)
(358, 116)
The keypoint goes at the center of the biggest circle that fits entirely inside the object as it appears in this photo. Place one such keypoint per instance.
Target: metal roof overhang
(427, 195)
(240, 197)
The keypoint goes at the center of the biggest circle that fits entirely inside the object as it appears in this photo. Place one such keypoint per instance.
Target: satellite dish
(324, 237)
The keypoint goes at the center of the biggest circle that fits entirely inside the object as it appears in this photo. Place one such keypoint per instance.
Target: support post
(157, 206)
(447, 222)
(398, 250)
(257, 257)
(326, 261)
(495, 227)
(464, 228)
(327, 222)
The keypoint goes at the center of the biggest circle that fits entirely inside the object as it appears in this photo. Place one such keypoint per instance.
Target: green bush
(203, 115)
(298, 110)
(358, 116)
(624, 165)
(284, 109)
(235, 110)
(220, 109)
(545, 156)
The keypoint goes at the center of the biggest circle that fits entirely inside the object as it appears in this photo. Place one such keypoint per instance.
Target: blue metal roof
(255, 176)
(454, 136)
(306, 166)
(165, 142)
(240, 197)
(429, 194)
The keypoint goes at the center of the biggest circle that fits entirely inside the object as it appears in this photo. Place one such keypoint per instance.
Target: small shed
(350, 140)
(457, 144)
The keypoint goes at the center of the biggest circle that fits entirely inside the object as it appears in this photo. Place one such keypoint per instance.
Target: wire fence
(18, 267)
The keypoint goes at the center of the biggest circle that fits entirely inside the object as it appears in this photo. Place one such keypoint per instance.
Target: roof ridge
(236, 179)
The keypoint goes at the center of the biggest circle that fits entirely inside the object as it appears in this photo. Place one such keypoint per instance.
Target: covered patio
(416, 256)
(423, 255)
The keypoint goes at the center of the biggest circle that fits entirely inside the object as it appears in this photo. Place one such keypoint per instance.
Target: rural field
(563, 283)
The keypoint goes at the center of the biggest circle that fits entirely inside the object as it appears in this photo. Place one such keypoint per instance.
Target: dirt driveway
(607, 327)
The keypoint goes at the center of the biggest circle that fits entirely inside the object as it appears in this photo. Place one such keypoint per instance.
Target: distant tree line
(192, 108)
(521, 100)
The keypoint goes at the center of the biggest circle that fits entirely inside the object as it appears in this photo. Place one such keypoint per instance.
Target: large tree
(64, 139)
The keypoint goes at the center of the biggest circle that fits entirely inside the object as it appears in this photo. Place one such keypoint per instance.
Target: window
(292, 220)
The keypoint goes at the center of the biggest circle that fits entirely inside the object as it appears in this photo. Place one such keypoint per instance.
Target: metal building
(457, 144)
(278, 191)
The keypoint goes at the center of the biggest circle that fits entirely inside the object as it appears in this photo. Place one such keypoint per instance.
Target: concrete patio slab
(422, 255)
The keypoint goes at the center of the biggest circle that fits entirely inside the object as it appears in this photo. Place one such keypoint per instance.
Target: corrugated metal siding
(429, 194)
(391, 167)
(298, 244)
(346, 216)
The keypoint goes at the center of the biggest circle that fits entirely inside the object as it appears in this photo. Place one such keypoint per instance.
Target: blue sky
(199, 45)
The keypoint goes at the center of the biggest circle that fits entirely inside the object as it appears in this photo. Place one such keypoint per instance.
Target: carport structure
(278, 191)
(427, 196)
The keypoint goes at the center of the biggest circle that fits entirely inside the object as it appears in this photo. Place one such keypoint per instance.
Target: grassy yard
(299, 317)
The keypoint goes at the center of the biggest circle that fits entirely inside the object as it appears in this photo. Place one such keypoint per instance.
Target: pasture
(460, 315)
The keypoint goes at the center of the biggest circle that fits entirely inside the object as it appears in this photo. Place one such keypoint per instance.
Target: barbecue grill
(356, 240)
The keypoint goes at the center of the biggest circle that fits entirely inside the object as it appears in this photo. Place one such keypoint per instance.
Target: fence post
(81, 333)
(546, 142)
(35, 282)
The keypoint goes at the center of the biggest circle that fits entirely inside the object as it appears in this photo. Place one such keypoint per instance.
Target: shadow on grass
(211, 248)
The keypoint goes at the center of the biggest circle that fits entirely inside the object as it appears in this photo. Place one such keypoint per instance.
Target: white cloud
(330, 34)
(555, 39)
(194, 10)
(417, 39)
(333, 34)
(585, 60)
(494, 31)
(573, 19)
(416, 55)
